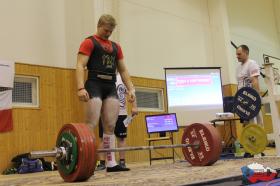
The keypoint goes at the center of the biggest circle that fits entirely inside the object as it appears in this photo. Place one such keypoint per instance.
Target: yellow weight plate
(253, 139)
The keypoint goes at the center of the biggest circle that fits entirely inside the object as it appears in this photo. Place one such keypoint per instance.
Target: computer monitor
(228, 102)
(161, 123)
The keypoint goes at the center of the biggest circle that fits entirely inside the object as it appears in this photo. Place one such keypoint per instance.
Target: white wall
(254, 22)
(157, 34)
(276, 4)
(45, 32)
(33, 31)
(79, 23)
(153, 33)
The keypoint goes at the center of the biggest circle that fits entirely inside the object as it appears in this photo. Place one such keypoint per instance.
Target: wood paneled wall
(36, 129)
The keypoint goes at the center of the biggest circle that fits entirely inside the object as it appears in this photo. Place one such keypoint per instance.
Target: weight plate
(210, 144)
(86, 155)
(68, 141)
(91, 157)
(247, 103)
(81, 165)
(253, 139)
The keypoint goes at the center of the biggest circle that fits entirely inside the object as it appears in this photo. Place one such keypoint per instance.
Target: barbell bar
(76, 150)
(195, 145)
(60, 152)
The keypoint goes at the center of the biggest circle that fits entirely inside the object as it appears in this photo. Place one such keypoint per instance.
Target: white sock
(108, 143)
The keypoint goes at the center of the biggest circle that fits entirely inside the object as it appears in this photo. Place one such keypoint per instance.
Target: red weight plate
(91, 155)
(84, 166)
(210, 144)
(78, 173)
(217, 143)
(93, 149)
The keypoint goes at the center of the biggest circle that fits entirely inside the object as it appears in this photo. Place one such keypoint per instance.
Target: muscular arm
(255, 83)
(82, 61)
(134, 109)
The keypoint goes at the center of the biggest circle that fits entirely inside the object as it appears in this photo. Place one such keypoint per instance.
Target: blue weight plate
(247, 103)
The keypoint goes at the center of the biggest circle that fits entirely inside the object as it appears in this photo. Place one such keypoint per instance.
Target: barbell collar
(57, 152)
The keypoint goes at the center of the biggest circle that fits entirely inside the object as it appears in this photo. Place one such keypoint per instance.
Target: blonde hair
(106, 19)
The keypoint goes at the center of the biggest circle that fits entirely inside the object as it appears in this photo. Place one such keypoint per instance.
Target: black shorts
(103, 90)
(120, 129)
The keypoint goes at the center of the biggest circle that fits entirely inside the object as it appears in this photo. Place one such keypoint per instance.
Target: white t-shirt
(121, 90)
(245, 71)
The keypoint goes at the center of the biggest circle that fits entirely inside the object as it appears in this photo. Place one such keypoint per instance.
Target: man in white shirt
(247, 73)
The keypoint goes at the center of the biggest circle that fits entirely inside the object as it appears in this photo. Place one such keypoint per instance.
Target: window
(25, 91)
(149, 99)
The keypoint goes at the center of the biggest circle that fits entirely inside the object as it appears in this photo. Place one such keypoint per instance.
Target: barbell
(76, 151)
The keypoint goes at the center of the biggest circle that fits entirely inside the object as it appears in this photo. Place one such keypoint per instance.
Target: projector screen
(194, 94)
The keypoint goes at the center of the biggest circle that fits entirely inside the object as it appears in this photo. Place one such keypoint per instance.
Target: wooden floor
(160, 173)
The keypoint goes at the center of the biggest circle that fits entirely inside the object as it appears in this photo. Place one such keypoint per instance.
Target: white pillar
(271, 99)
(221, 39)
